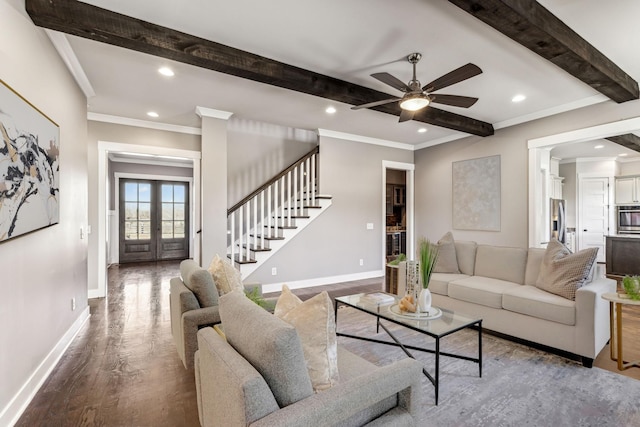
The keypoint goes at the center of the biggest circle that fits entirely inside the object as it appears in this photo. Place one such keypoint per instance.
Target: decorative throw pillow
(199, 282)
(271, 345)
(225, 276)
(315, 322)
(563, 272)
(447, 261)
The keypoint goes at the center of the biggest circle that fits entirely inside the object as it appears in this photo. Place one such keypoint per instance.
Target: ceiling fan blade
(375, 103)
(406, 115)
(454, 100)
(463, 73)
(394, 82)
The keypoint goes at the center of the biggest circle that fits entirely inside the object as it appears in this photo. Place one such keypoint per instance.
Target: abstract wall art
(29, 167)
(476, 194)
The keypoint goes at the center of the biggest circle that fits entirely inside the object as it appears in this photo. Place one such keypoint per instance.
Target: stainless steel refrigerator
(558, 218)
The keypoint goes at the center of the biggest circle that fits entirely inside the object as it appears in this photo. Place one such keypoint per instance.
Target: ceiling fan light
(415, 103)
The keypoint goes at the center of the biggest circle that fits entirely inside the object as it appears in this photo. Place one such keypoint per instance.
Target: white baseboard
(298, 284)
(14, 409)
(94, 293)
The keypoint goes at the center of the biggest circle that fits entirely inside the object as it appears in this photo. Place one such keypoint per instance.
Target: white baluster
(240, 232)
(313, 178)
(233, 237)
(308, 176)
(248, 226)
(295, 197)
(261, 217)
(289, 198)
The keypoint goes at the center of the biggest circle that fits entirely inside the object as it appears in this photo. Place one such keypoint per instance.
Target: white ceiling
(350, 40)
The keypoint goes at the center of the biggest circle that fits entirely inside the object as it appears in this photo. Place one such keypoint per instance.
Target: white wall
(44, 270)
(629, 168)
(334, 243)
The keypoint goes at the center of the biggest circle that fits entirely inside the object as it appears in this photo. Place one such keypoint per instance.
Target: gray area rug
(520, 386)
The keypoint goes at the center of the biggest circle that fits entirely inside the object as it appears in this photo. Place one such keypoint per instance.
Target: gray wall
(434, 199)
(43, 270)
(259, 151)
(333, 244)
(433, 172)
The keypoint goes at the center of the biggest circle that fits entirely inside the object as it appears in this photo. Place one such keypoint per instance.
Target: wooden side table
(615, 316)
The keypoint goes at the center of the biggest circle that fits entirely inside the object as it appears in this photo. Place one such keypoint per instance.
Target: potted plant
(427, 257)
(631, 285)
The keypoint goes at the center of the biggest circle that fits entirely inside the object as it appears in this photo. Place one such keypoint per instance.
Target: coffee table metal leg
(437, 382)
(480, 348)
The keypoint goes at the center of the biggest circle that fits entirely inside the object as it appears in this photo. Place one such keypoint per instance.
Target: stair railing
(274, 205)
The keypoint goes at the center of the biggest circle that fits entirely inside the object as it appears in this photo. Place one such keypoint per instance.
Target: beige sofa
(498, 284)
(257, 376)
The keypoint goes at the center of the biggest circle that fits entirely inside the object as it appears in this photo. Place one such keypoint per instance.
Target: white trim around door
(409, 168)
(104, 148)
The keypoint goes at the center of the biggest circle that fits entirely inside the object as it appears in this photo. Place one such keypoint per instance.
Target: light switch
(369, 226)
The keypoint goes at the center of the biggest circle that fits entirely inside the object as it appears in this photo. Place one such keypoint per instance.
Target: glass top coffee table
(441, 324)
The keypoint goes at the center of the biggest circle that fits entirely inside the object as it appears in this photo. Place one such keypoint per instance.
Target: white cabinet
(555, 187)
(627, 190)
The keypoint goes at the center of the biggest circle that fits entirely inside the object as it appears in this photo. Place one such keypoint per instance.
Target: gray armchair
(259, 378)
(194, 305)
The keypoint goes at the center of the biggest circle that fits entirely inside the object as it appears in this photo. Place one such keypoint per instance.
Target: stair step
(294, 217)
(255, 248)
(268, 237)
(243, 260)
(282, 227)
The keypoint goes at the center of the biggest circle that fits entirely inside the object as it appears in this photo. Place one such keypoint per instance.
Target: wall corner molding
(210, 112)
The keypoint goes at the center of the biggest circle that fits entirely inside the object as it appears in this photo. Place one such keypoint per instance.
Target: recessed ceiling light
(166, 71)
(422, 130)
(518, 98)
(622, 154)
(597, 147)
(152, 114)
(330, 110)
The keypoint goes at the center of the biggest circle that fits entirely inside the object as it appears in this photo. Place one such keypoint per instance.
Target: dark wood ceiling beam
(628, 140)
(530, 24)
(88, 21)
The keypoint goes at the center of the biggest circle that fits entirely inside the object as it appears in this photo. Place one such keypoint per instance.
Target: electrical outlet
(361, 261)
(369, 226)
(274, 271)
(73, 304)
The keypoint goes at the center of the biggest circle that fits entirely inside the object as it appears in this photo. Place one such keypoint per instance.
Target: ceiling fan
(416, 98)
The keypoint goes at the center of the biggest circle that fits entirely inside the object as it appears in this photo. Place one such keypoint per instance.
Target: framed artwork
(29, 167)
(476, 194)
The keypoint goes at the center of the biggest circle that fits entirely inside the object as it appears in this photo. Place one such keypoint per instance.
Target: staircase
(267, 219)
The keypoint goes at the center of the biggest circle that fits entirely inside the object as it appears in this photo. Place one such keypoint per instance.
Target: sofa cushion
(447, 262)
(200, 282)
(563, 272)
(270, 344)
(314, 320)
(226, 276)
(480, 290)
(439, 283)
(534, 261)
(466, 256)
(535, 302)
(499, 262)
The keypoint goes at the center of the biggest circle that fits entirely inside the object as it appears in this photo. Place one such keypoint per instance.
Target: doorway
(153, 220)
(405, 198)
(593, 215)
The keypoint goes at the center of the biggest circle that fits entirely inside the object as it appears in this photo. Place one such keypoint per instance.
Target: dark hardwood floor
(123, 369)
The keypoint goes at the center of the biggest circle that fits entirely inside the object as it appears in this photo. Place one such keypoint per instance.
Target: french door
(153, 220)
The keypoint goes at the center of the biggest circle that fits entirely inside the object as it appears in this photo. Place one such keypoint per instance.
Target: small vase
(424, 300)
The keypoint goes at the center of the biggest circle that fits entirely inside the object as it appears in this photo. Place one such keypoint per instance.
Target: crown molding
(61, 43)
(365, 139)
(127, 121)
(210, 112)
